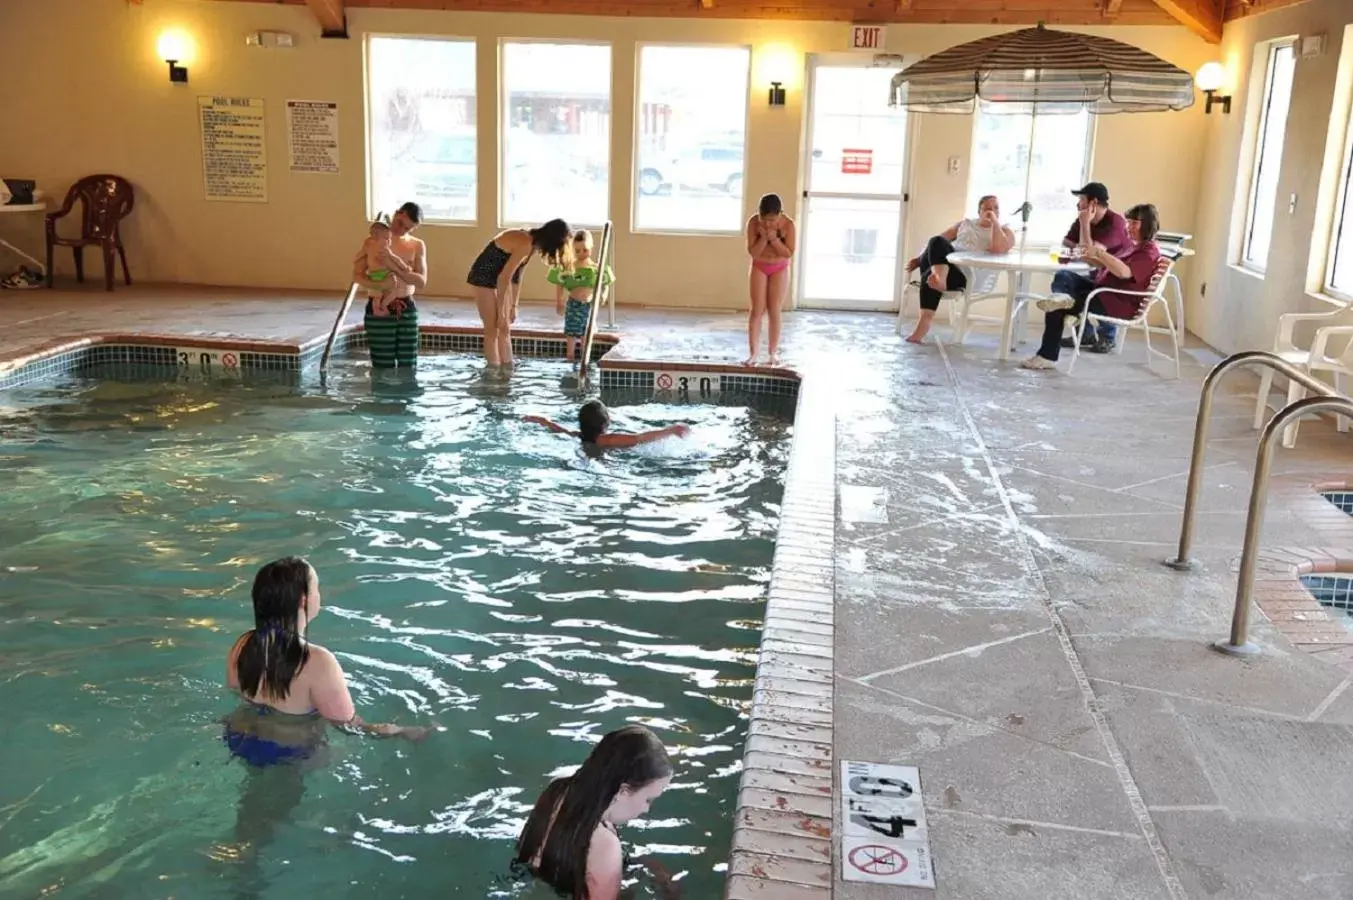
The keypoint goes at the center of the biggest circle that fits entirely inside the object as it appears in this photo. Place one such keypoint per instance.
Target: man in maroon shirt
(1096, 226)
(1130, 269)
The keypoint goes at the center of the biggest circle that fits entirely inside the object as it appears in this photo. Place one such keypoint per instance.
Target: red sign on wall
(857, 162)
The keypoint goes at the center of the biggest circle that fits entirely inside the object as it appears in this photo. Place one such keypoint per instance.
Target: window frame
(1256, 167)
(504, 123)
(471, 222)
(1343, 218)
(636, 138)
(1087, 159)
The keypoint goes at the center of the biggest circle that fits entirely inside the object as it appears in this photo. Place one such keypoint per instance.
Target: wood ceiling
(1203, 17)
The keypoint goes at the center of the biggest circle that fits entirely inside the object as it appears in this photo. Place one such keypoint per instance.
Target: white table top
(23, 207)
(1015, 261)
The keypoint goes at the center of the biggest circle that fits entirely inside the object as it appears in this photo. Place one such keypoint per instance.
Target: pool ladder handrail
(599, 296)
(338, 322)
(1327, 400)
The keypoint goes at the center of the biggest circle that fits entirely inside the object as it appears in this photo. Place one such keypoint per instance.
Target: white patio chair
(1286, 348)
(981, 286)
(1153, 296)
(1339, 367)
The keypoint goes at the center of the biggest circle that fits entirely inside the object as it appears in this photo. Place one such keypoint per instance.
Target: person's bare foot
(750, 361)
(915, 338)
(937, 279)
(774, 359)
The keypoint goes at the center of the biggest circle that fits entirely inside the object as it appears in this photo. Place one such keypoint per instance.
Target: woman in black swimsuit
(495, 276)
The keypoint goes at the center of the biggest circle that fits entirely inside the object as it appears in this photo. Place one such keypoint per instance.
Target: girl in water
(770, 243)
(291, 687)
(495, 276)
(594, 423)
(570, 841)
(579, 288)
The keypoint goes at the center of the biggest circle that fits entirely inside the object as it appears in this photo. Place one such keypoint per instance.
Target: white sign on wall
(866, 37)
(234, 149)
(687, 384)
(884, 838)
(312, 135)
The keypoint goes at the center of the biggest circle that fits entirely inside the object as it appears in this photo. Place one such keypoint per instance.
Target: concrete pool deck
(1000, 616)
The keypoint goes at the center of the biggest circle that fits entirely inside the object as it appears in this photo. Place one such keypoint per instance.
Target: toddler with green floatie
(375, 248)
(573, 291)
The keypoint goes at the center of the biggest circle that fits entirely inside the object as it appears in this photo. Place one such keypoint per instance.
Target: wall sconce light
(1209, 79)
(173, 50)
(777, 94)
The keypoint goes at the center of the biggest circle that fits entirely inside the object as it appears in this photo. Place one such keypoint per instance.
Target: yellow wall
(1241, 308)
(93, 96)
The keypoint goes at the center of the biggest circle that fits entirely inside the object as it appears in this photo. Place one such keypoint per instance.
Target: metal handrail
(598, 297)
(1328, 400)
(1245, 358)
(1239, 643)
(333, 332)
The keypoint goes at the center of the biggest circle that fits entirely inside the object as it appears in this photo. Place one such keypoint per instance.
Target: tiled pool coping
(781, 845)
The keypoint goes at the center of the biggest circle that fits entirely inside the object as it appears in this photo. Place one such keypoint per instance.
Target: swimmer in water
(594, 422)
(570, 840)
(291, 686)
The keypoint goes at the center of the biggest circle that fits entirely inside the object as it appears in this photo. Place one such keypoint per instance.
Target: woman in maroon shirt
(1131, 269)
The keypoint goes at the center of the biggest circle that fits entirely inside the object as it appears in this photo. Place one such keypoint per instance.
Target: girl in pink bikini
(770, 243)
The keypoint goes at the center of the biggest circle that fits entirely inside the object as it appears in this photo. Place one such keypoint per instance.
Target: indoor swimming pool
(478, 572)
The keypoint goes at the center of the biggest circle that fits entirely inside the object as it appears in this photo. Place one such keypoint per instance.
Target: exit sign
(866, 37)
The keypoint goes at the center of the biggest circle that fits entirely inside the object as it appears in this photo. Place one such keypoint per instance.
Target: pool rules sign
(884, 838)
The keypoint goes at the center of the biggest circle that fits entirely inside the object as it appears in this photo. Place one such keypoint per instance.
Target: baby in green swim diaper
(374, 248)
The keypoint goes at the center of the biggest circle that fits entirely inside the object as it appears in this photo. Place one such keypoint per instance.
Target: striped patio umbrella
(1042, 71)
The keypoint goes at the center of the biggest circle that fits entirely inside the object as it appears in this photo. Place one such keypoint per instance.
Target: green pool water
(477, 572)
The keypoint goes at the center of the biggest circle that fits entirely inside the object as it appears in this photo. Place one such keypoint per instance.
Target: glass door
(852, 214)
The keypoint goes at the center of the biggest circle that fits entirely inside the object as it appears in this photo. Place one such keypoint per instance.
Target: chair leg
(79, 263)
(109, 264)
(1078, 332)
(1261, 404)
(51, 262)
(1294, 393)
(126, 273)
(1341, 422)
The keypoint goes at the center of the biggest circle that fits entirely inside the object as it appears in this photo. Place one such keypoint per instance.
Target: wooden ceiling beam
(1202, 17)
(333, 22)
(1112, 8)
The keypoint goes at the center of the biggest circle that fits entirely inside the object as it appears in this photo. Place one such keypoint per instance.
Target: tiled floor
(1001, 617)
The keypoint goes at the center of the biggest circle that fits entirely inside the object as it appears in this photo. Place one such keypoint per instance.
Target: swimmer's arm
(331, 699)
(785, 248)
(662, 879)
(416, 274)
(643, 437)
(553, 426)
(605, 863)
(514, 262)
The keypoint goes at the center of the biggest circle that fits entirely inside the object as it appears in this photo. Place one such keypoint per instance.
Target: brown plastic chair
(106, 201)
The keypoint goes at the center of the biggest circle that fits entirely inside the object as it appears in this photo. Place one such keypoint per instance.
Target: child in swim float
(374, 249)
(594, 422)
(578, 287)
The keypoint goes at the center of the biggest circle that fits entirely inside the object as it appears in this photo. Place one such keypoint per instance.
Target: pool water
(477, 572)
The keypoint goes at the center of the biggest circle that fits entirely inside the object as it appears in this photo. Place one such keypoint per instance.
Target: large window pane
(1268, 157)
(1000, 161)
(852, 252)
(556, 132)
(1339, 278)
(692, 127)
(421, 95)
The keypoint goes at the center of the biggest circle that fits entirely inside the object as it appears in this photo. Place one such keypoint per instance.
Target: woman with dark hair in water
(291, 686)
(495, 276)
(570, 841)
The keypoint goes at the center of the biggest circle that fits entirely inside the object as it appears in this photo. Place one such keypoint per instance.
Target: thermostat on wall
(1312, 45)
(270, 39)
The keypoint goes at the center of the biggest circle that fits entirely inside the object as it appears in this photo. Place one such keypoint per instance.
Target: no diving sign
(884, 838)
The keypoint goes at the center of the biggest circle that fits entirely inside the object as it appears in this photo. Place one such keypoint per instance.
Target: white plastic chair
(959, 302)
(1153, 296)
(1286, 348)
(1340, 367)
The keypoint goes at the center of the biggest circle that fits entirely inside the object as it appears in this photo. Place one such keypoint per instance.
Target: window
(421, 116)
(1000, 166)
(1339, 276)
(1268, 156)
(556, 132)
(692, 134)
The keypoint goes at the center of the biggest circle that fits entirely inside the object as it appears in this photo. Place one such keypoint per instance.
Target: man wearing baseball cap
(1096, 226)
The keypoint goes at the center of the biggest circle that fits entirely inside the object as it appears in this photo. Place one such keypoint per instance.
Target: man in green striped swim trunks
(393, 337)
